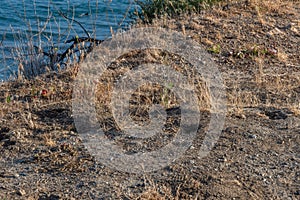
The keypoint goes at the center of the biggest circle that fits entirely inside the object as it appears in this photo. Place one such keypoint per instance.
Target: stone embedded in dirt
(252, 136)
(16, 175)
(222, 159)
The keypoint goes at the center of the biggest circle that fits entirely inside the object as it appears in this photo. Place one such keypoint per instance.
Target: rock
(252, 136)
(297, 192)
(16, 175)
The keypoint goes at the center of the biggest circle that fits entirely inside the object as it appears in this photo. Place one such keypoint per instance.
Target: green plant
(151, 9)
(8, 99)
(216, 49)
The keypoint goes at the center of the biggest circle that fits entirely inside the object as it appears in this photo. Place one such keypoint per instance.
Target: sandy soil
(256, 46)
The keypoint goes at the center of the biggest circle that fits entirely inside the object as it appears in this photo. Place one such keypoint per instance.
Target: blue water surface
(22, 20)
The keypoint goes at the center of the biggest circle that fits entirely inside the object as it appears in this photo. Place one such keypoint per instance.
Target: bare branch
(64, 16)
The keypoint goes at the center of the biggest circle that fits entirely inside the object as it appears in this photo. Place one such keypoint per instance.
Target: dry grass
(148, 94)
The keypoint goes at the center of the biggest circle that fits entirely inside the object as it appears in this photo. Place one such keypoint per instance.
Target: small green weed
(216, 49)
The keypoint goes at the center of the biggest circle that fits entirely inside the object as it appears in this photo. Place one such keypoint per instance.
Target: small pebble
(297, 192)
(252, 136)
(222, 160)
(280, 142)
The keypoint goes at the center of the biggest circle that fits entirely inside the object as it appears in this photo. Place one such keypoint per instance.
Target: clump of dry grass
(147, 95)
(261, 84)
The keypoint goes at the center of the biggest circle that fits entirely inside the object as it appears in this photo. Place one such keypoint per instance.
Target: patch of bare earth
(255, 45)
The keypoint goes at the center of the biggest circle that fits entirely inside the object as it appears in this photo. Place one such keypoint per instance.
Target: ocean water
(22, 20)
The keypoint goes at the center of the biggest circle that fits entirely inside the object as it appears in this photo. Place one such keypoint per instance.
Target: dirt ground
(256, 46)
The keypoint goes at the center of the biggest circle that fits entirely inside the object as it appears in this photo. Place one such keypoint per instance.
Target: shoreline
(56, 35)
